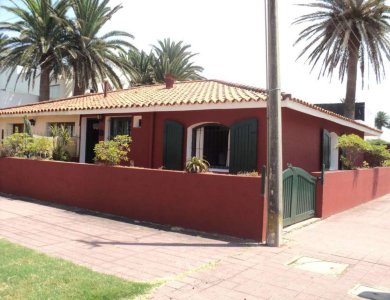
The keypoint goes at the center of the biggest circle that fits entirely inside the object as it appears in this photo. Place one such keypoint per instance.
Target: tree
(37, 46)
(94, 58)
(345, 35)
(174, 59)
(382, 119)
(140, 67)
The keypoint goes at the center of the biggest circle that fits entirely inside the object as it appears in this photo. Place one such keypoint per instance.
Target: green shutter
(173, 145)
(325, 153)
(243, 146)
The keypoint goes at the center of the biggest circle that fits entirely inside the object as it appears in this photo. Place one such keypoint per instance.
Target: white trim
(83, 139)
(107, 127)
(164, 108)
(194, 107)
(189, 138)
(319, 114)
(334, 152)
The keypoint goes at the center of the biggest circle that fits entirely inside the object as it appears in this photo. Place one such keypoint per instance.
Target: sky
(229, 36)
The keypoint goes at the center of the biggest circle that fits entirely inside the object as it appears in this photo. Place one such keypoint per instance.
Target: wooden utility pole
(274, 132)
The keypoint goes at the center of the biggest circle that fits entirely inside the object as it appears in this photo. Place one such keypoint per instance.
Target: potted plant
(197, 165)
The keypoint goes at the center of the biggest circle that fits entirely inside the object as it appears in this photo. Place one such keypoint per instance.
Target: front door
(92, 138)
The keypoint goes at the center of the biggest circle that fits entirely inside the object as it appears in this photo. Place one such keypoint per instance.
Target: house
(222, 122)
(16, 91)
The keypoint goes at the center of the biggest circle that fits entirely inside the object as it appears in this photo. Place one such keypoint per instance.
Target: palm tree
(174, 59)
(140, 66)
(347, 34)
(37, 46)
(382, 120)
(92, 57)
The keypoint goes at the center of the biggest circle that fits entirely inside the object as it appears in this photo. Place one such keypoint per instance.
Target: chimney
(105, 88)
(169, 81)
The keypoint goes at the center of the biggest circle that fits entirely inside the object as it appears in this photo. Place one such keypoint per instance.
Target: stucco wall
(214, 203)
(41, 127)
(346, 189)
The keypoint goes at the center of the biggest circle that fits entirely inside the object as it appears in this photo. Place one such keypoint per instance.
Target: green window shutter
(325, 151)
(173, 145)
(243, 146)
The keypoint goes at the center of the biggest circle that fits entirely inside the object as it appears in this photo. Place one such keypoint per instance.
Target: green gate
(299, 195)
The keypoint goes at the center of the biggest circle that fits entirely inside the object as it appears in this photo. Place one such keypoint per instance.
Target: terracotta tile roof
(183, 93)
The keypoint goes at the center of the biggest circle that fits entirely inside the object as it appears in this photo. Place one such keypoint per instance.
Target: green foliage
(27, 126)
(346, 36)
(250, 174)
(175, 59)
(114, 151)
(197, 165)
(139, 66)
(61, 138)
(377, 155)
(382, 119)
(355, 148)
(24, 145)
(386, 163)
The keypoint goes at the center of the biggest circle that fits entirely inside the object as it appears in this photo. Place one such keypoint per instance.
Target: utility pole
(274, 132)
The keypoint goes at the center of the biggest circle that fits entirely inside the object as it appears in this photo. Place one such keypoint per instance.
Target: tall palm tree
(347, 34)
(382, 119)
(174, 59)
(92, 57)
(37, 46)
(140, 67)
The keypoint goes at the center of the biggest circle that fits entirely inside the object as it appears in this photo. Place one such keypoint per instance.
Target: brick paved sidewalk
(196, 267)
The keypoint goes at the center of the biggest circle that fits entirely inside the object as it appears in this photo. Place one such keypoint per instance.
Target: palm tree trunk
(350, 97)
(44, 83)
(78, 88)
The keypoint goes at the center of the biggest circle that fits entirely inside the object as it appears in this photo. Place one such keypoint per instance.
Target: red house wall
(301, 135)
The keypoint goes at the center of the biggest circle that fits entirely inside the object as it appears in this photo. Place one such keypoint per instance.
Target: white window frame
(200, 140)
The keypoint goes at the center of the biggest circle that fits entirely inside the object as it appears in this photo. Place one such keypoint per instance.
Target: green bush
(24, 145)
(386, 163)
(354, 148)
(377, 155)
(61, 138)
(114, 151)
(197, 165)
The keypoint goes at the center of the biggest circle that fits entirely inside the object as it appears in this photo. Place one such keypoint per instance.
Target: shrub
(354, 148)
(252, 173)
(61, 138)
(24, 145)
(40, 147)
(386, 163)
(197, 165)
(377, 154)
(114, 151)
(17, 144)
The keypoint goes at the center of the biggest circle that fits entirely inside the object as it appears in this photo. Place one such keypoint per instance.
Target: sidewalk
(195, 267)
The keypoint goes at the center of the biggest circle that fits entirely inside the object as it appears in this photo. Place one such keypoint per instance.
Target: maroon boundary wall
(345, 189)
(213, 203)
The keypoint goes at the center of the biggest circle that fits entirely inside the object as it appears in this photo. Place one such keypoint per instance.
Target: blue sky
(229, 36)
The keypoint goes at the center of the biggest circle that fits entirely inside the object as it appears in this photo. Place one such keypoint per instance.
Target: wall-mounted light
(32, 122)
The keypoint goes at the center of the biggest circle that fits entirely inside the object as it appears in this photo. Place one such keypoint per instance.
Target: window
(68, 125)
(55, 91)
(120, 126)
(17, 128)
(211, 142)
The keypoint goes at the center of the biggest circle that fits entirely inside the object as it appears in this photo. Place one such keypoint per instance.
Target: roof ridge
(241, 86)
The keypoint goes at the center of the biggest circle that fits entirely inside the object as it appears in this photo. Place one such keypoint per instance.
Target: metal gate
(299, 195)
